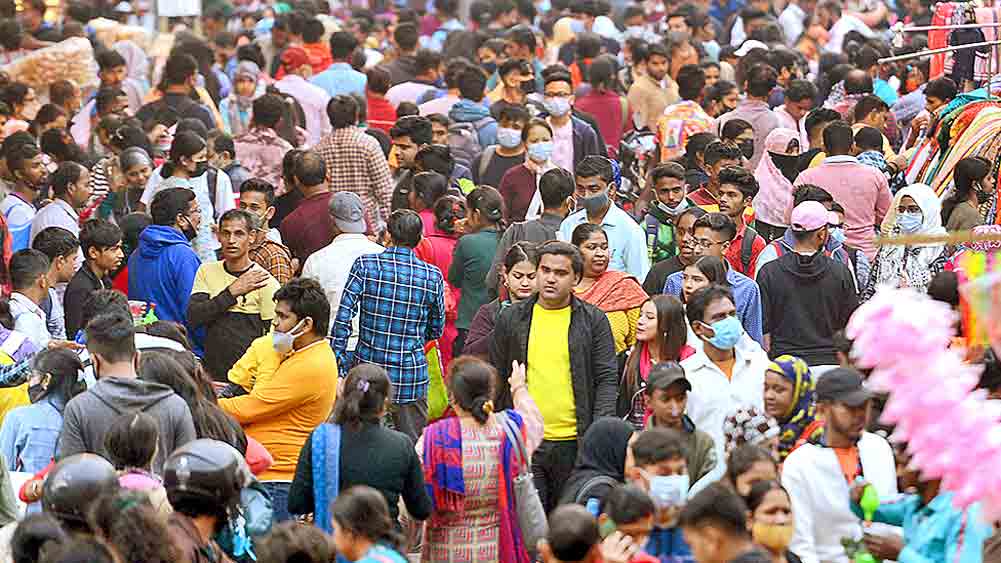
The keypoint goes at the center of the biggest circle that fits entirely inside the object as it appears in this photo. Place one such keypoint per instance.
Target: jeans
(278, 491)
(552, 464)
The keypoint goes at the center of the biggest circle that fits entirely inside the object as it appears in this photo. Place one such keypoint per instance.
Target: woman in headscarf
(776, 172)
(601, 462)
(236, 108)
(789, 399)
(129, 179)
(616, 293)
(916, 210)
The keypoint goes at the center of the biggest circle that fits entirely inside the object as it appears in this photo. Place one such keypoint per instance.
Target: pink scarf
(775, 190)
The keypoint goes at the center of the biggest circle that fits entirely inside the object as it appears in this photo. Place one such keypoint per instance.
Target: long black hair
(363, 511)
(471, 384)
(968, 171)
(63, 367)
(363, 397)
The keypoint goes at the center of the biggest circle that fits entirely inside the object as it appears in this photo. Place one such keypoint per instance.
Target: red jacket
(381, 113)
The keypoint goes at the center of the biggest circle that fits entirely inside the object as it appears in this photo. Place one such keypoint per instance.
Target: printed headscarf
(802, 411)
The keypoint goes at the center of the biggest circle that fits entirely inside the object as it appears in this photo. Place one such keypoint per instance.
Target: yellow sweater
(257, 364)
(281, 411)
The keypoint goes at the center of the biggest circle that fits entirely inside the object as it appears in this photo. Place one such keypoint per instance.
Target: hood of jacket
(830, 247)
(805, 267)
(124, 395)
(157, 238)
(467, 110)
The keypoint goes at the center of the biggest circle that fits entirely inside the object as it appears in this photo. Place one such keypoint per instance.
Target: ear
(269, 214)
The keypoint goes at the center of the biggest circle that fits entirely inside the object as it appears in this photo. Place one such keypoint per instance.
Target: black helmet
(207, 470)
(74, 483)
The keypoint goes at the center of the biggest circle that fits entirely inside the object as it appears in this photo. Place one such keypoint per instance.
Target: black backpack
(747, 250)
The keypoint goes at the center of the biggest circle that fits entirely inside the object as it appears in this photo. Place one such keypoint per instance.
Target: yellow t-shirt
(212, 278)
(548, 372)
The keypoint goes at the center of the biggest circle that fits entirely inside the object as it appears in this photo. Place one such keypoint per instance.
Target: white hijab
(915, 270)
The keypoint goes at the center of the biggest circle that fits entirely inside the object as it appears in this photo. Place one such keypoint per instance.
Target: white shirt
(59, 213)
(30, 320)
(313, 100)
(331, 265)
(820, 496)
(441, 105)
(791, 20)
(714, 397)
(205, 243)
(626, 240)
(407, 92)
(841, 28)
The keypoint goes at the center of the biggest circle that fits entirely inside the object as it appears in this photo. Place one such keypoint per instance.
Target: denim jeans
(278, 491)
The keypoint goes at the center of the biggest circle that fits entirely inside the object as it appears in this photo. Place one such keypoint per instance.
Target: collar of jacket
(526, 311)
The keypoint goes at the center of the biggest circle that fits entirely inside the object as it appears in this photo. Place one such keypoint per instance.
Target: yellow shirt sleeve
(268, 299)
(201, 284)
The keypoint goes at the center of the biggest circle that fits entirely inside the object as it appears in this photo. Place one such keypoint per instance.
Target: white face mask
(283, 341)
(668, 490)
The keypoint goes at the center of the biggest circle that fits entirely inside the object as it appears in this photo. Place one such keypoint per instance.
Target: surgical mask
(635, 31)
(668, 490)
(201, 168)
(837, 235)
(283, 341)
(556, 107)
(727, 333)
(774, 537)
(747, 148)
(672, 211)
(909, 222)
(594, 204)
(508, 138)
(541, 151)
(577, 26)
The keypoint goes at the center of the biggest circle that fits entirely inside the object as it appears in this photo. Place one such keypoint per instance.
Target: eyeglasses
(705, 243)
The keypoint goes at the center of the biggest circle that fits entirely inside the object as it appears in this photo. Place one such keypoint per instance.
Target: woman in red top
(381, 113)
(609, 108)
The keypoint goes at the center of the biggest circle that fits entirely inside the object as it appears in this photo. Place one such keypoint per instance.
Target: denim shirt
(29, 434)
(668, 545)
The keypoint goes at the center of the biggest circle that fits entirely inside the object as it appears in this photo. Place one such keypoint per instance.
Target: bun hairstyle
(363, 397)
(471, 383)
(488, 202)
(447, 210)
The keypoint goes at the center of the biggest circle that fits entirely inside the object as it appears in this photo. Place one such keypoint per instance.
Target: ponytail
(471, 385)
(363, 397)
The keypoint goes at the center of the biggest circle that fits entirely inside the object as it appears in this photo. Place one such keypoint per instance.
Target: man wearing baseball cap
(819, 476)
(806, 296)
(331, 264)
(298, 67)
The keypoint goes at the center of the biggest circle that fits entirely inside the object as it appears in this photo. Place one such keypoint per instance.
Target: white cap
(748, 45)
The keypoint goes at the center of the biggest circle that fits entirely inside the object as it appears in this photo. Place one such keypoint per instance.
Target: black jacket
(593, 365)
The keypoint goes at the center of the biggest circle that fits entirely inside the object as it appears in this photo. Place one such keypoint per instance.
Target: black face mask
(189, 232)
(787, 164)
(747, 148)
(528, 86)
(35, 391)
(489, 68)
(201, 168)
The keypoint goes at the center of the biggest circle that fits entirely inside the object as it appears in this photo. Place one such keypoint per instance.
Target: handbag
(531, 515)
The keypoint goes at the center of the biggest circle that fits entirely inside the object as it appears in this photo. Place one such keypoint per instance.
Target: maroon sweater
(517, 187)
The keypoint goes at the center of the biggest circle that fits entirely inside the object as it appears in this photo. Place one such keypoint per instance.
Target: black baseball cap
(843, 385)
(666, 374)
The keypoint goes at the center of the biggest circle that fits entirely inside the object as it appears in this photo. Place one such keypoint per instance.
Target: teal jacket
(937, 532)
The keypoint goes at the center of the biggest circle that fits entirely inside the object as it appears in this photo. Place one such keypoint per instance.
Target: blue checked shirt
(746, 295)
(400, 301)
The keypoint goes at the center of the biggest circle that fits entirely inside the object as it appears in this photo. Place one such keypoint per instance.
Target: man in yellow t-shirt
(233, 298)
(571, 369)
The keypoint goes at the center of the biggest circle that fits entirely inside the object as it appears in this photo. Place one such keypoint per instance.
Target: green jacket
(701, 457)
(658, 227)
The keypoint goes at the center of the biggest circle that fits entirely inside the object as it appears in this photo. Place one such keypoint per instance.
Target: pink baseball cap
(810, 216)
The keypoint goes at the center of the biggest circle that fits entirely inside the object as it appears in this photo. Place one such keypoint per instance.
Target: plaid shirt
(275, 258)
(261, 151)
(402, 303)
(355, 163)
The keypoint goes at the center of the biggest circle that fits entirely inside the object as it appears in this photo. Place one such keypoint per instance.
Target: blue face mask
(837, 235)
(508, 138)
(556, 107)
(727, 333)
(541, 151)
(909, 222)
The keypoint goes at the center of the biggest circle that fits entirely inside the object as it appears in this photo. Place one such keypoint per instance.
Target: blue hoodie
(469, 111)
(162, 271)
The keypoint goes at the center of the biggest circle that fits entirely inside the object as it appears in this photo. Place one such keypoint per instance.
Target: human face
(113, 77)
(439, 133)
(520, 281)
(62, 268)
(556, 278)
(908, 205)
(511, 124)
(731, 200)
(763, 470)
(670, 191)
(538, 134)
(656, 67)
(406, 150)
(692, 280)
(848, 422)
(79, 192)
(138, 175)
(257, 203)
(595, 253)
(244, 87)
(200, 156)
(778, 395)
(107, 259)
(677, 24)
(30, 105)
(286, 320)
(797, 110)
(715, 168)
(775, 509)
(34, 172)
(59, 123)
(560, 90)
(668, 405)
(346, 543)
(877, 119)
(639, 530)
(707, 543)
(235, 237)
(683, 233)
(646, 326)
(712, 75)
(730, 100)
(932, 104)
(194, 214)
(716, 311)
(707, 242)
(590, 186)
(682, 55)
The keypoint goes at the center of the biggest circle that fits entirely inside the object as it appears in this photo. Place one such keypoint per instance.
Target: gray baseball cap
(348, 212)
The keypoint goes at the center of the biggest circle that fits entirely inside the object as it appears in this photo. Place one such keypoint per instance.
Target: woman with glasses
(916, 210)
(616, 293)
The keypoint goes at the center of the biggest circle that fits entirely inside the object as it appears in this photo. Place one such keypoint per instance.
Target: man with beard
(654, 91)
(163, 267)
(819, 476)
(684, 222)
(27, 167)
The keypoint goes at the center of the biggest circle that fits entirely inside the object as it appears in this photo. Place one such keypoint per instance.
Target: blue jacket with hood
(469, 111)
(162, 271)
